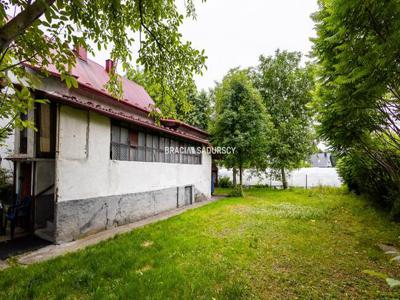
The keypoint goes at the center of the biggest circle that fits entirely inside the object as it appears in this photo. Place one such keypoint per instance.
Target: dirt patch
(283, 210)
(147, 244)
(144, 269)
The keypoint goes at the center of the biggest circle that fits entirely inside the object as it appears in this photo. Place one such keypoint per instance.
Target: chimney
(81, 52)
(109, 65)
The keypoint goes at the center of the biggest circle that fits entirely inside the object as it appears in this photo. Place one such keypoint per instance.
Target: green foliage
(357, 50)
(199, 114)
(44, 32)
(224, 182)
(241, 121)
(5, 177)
(237, 191)
(169, 101)
(362, 173)
(187, 104)
(286, 87)
(358, 95)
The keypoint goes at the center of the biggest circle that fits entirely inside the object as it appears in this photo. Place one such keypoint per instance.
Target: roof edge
(183, 124)
(127, 117)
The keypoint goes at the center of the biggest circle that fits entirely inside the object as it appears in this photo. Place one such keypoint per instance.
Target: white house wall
(6, 148)
(116, 192)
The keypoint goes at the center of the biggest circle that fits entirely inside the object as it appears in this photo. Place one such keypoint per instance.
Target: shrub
(365, 175)
(225, 182)
(236, 192)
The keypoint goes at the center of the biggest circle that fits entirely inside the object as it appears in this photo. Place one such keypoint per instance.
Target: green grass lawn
(270, 244)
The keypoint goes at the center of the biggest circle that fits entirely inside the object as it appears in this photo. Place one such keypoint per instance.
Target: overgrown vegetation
(358, 94)
(306, 244)
(364, 175)
(225, 182)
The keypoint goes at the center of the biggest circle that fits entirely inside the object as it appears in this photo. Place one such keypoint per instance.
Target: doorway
(188, 195)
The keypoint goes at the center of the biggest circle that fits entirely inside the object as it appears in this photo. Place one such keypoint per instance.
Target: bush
(365, 175)
(236, 192)
(225, 182)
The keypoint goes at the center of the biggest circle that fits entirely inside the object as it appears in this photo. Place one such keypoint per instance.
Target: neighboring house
(96, 162)
(321, 160)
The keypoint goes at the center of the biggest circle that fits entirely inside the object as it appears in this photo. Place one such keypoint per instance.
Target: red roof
(94, 76)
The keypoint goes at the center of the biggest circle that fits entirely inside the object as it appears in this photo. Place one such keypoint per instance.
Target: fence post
(306, 182)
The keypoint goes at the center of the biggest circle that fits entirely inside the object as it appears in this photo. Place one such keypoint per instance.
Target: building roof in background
(321, 160)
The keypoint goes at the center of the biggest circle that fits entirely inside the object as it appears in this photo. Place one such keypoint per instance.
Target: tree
(358, 94)
(241, 122)
(199, 113)
(43, 32)
(358, 50)
(286, 87)
(188, 105)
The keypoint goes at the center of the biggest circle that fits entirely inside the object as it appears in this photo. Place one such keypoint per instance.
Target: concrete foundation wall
(95, 192)
(79, 218)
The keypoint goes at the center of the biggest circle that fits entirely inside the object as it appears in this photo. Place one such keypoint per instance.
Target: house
(96, 162)
(321, 160)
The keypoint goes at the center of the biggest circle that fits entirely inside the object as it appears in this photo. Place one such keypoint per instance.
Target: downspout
(33, 191)
(55, 170)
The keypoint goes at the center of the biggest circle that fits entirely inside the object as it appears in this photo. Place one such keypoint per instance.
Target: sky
(235, 32)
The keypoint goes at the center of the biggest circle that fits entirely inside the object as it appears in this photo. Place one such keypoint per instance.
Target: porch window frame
(23, 136)
(53, 130)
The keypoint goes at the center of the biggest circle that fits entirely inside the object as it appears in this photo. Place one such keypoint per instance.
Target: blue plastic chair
(21, 210)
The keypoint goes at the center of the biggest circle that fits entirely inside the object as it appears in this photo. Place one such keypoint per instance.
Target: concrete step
(46, 233)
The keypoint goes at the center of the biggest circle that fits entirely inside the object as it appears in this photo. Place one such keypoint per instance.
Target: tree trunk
(234, 170)
(240, 175)
(284, 182)
(19, 24)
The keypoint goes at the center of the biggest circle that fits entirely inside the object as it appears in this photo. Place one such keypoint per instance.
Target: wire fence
(304, 177)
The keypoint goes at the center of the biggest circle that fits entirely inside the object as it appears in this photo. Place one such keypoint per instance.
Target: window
(149, 147)
(162, 149)
(23, 137)
(167, 154)
(120, 143)
(156, 150)
(46, 130)
(142, 147)
(135, 145)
